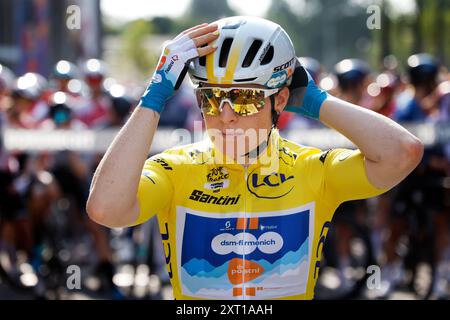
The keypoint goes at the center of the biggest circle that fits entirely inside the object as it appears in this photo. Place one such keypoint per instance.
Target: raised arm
(112, 198)
(390, 151)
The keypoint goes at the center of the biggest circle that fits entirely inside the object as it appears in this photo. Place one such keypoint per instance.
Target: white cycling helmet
(250, 50)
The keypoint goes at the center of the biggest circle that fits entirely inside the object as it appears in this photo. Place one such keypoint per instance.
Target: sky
(134, 9)
(124, 10)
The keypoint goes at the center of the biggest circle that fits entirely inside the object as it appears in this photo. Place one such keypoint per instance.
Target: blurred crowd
(34, 186)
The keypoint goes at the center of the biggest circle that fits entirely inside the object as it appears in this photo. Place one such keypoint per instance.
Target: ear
(281, 99)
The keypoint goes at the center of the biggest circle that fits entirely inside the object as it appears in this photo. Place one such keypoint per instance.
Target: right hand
(172, 66)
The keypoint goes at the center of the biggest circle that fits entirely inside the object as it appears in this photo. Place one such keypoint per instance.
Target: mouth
(232, 133)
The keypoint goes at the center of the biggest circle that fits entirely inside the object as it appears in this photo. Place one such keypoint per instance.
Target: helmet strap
(275, 114)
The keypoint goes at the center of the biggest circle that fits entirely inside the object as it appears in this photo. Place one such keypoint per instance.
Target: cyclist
(27, 107)
(352, 77)
(7, 79)
(419, 104)
(383, 97)
(117, 114)
(97, 103)
(63, 72)
(249, 224)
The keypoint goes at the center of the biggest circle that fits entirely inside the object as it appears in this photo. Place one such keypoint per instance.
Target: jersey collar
(267, 159)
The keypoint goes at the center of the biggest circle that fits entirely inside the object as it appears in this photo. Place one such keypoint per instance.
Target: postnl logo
(241, 271)
(245, 243)
(273, 186)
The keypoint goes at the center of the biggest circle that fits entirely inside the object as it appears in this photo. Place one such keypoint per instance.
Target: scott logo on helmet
(284, 65)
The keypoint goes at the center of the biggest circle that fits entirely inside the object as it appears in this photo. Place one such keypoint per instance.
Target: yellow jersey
(244, 232)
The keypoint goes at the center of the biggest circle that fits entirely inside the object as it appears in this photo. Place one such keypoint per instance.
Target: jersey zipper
(244, 297)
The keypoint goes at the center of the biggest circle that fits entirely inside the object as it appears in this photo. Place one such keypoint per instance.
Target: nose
(227, 115)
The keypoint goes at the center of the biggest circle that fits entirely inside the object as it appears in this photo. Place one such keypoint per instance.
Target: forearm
(378, 137)
(115, 182)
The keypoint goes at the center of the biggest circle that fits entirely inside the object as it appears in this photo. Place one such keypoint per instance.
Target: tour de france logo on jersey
(217, 178)
(235, 256)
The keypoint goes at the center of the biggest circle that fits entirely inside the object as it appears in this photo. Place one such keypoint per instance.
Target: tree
(417, 27)
(134, 36)
(208, 10)
(162, 25)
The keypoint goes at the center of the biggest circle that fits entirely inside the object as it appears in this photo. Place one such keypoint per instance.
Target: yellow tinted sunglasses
(243, 101)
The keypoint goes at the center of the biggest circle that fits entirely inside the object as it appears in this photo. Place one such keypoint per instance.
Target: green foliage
(208, 10)
(324, 29)
(134, 36)
(162, 25)
(328, 30)
(332, 30)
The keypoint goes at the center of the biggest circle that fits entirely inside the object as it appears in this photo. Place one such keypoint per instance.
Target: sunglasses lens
(245, 102)
(208, 102)
(248, 102)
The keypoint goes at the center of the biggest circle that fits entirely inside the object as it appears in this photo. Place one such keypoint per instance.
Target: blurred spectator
(63, 73)
(420, 102)
(61, 115)
(177, 110)
(443, 92)
(383, 92)
(97, 103)
(352, 76)
(117, 114)
(27, 107)
(312, 66)
(7, 79)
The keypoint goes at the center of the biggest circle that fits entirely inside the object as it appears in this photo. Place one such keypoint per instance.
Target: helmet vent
(202, 60)
(251, 53)
(268, 57)
(224, 52)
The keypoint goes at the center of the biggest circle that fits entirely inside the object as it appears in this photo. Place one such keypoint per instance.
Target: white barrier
(94, 141)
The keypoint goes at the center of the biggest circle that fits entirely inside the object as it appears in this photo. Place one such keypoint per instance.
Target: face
(236, 135)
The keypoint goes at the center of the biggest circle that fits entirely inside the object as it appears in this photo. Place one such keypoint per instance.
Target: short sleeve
(339, 175)
(155, 189)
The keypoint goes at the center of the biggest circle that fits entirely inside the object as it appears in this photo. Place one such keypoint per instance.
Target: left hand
(305, 97)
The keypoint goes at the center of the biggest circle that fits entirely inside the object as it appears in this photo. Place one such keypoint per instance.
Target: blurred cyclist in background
(383, 92)
(352, 76)
(64, 72)
(61, 114)
(419, 101)
(7, 80)
(72, 173)
(117, 115)
(27, 107)
(180, 108)
(97, 103)
(424, 186)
